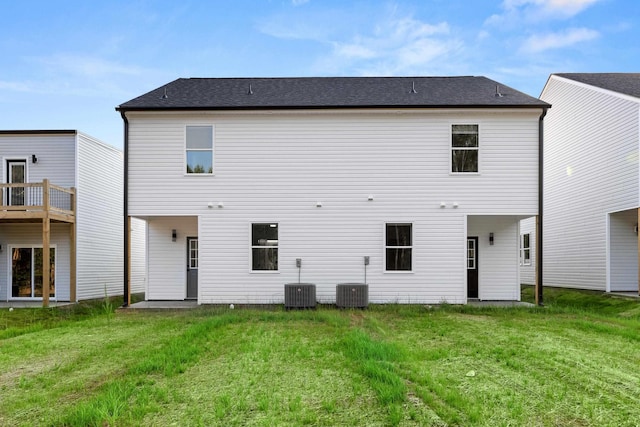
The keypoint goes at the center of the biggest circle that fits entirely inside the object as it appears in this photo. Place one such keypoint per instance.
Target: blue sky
(68, 64)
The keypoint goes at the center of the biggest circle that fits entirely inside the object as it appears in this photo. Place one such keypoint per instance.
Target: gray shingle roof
(625, 83)
(329, 92)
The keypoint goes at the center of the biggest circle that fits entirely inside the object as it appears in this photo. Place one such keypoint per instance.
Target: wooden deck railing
(37, 197)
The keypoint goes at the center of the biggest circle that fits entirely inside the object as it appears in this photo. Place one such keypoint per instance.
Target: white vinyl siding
(100, 224)
(497, 263)
(27, 235)
(623, 251)
(138, 277)
(591, 168)
(167, 273)
(528, 271)
(278, 166)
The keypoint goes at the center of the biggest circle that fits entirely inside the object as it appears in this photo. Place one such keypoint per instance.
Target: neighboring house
(426, 178)
(591, 181)
(62, 190)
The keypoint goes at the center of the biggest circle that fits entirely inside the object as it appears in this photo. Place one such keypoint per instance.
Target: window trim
(385, 247)
(523, 249)
(252, 247)
(451, 147)
(213, 148)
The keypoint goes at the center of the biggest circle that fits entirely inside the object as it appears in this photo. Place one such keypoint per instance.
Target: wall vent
(299, 295)
(352, 295)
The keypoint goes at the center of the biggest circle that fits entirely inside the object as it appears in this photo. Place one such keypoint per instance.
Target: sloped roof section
(624, 83)
(330, 92)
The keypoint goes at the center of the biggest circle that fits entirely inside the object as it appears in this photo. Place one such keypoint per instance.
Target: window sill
(398, 272)
(199, 174)
(264, 272)
(464, 173)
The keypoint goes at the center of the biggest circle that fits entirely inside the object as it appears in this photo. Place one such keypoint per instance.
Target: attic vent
(498, 94)
(413, 87)
(164, 96)
(299, 295)
(352, 295)
(250, 92)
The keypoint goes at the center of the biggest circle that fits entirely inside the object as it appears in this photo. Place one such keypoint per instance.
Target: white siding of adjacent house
(55, 153)
(528, 272)
(56, 163)
(20, 235)
(591, 168)
(100, 224)
(623, 251)
(138, 278)
(276, 167)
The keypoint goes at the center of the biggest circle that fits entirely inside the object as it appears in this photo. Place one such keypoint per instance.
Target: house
(62, 190)
(591, 181)
(413, 185)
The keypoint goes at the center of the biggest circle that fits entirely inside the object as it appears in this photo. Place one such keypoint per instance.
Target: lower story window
(525, 249)
(26, 272)
(264, 247)
(398, 247)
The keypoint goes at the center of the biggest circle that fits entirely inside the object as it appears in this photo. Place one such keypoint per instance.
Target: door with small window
(16, 174)
(472, 267)
(192, 268)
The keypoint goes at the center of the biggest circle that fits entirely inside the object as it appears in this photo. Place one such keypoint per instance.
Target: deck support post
(72, 249)
(46, 236)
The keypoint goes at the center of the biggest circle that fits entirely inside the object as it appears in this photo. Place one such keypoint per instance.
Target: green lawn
(575, 362)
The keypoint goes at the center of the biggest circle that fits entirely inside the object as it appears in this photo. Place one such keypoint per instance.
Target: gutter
(127, 231)
(539, 283)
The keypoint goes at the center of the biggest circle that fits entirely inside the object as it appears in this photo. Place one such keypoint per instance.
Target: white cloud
(87, 66)
(515, 11)
(541, 42)
(299, 2)
(395, 47)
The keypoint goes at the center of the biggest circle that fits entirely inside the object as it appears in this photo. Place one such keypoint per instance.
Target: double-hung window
(525, 249)
(464, 148)
(199, 149)
(398, 247)
(264, 247)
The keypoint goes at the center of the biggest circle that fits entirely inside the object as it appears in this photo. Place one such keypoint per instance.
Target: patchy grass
(572, 363)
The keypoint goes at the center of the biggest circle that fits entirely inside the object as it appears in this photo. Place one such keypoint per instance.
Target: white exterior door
(16, 174)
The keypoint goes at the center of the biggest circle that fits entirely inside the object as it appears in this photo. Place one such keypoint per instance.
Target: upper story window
(464, 148)
(199, 149)
(525, 249)
(398, 247)
(264, 247)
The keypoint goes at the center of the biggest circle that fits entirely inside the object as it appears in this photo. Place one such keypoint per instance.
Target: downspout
(539, 293)
(125, 296)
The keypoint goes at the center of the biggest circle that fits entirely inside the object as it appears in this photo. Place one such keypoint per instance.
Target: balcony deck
(36, 201)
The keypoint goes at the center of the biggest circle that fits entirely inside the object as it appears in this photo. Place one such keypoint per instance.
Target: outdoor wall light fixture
(220, 205)
(174, 235)
(34, 158)
(210, 205)
(443, 204)
(491, 239)
(370, 198)
(318, 204)
(455, 204)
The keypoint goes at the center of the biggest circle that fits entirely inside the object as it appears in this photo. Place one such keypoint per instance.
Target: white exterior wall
(623, 251)
(274, 167)
(100, 224)
(497, 263)
(138, 277)
(591, 168)
(528, 272)
(16, 235)
(167, 259)
(56, 157)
